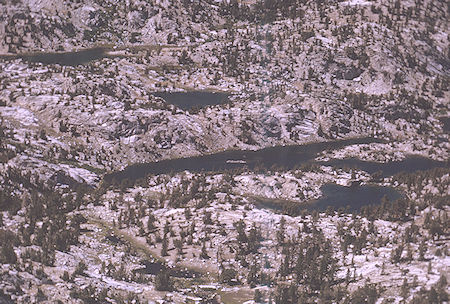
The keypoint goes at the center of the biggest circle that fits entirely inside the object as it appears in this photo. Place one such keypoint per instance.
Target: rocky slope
(297, 71)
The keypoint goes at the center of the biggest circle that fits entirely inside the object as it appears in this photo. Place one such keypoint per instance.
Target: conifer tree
(164, 246)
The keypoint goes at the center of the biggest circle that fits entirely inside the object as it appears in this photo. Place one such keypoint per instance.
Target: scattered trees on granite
(437, 294)
(369, 293)
(6, 153)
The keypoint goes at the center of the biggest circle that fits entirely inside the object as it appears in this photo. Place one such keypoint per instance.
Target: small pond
(196, 99)
(67, 58)
(336, 197)
(355, 197)
(407, 165)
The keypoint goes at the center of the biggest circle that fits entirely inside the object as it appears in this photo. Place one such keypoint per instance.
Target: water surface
(407, 165)
(335, 196)
(281, 157)
(354, 197)
(287, 157)
(196, 99)
(67, 58)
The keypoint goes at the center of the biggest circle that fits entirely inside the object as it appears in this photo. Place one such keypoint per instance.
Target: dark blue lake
(189, 100)
(407, 165)
(288, 158)
(283, 157)
(67, 58)
(354, 197)
(336, 196)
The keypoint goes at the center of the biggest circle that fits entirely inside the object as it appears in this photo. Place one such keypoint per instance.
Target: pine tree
(405, 289)
(252, 277)
(80, 269)
(151, 222)
(65, 276)
(204, 254)
(409, 254)
(240, 229)
(164, 246)
(281, 232)
(422, 250)
(178, 243)
(166, 228)
(254, 238)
